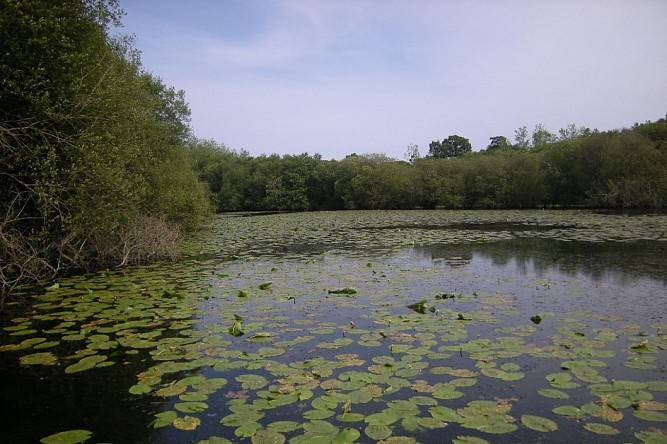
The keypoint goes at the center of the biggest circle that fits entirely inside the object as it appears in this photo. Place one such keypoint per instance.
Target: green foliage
(615, 169)
(92, 145)
(499, 143)
(452, 146)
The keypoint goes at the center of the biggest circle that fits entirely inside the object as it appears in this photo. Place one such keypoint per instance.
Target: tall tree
(498, 143)
(452, 146)
(521, 138)
(542, 136)
(412, 153)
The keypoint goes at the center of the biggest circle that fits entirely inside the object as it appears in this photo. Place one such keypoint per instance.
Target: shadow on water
(499, 284)
(616, 261)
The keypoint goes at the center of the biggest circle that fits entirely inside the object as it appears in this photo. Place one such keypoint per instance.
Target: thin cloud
(336, 77)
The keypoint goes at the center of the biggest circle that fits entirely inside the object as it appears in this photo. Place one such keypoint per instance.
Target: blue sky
(336, 77)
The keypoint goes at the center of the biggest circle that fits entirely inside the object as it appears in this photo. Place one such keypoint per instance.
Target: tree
(521, 138)
(452, 146)
(412, 153)
(499, 143)
(542, 136)
(571, 132)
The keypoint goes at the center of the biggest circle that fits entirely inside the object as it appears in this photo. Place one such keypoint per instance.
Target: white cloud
(335, 77)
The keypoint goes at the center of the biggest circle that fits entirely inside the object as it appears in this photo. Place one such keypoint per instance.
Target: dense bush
(92, 145)
(615, 169)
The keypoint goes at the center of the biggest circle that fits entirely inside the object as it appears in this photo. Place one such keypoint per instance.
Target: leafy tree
(92, 145)
(452, 146)
(412, 153)
(541, 136)
(521, 138)
(498, 143)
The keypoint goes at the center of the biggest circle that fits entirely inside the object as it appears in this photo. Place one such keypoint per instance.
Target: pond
(395, 326)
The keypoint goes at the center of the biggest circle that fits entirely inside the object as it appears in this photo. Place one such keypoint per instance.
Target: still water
(403, 326)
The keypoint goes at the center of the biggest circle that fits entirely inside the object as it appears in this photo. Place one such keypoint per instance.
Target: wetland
(355, 326)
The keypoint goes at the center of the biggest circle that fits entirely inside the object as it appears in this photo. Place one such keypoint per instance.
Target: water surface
(108, 352)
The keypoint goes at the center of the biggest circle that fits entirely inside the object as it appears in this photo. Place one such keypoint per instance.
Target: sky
(342, 76)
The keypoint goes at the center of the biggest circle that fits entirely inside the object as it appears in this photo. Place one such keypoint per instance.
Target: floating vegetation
(68, 437)
(205, 362)
(346, 291)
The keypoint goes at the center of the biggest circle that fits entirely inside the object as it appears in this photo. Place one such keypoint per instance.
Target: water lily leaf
(510, 367)
(346, 291)
(431, 423)
(569, 410)
(553, 393)
(651, 405)
(252, 382)
(186, 423)
(267, 436)
(191, 407)
(318, 414)
(469, 440)
(43, 358)
(447, 393)
(236, 329)
(381, 418)
(539, 423)
(247, 430)
(346, 436)
(68, 437)
(360, 396)
(445, 414)
(502, 374)
(284, 426)
(423, 400)
(398, 440)
(322, 428)
(490, 424)
(140, 389)
(657, 386)
(214, 440)
(601, 429)
(652, 437)
(648, 415)
(163, 419)
(85, 364)
(419, 307)
(350, 417)
(377, 432)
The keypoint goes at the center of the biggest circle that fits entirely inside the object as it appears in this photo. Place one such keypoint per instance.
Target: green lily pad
(191, 407)
(601, 429)
(377, 432)
(43, 358)
(140, 389)
(284, 426)
(539, 423)
(569, 410)
(469, 440)
(267, 436)
(553, 393)
(346, 436)
(252, 382)
(68, 437)
(163, 419)
(648, 415)
(85, 364)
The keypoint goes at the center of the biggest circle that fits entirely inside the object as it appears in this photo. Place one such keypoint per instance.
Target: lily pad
(601, 429)
(539, 423)
(68, 437)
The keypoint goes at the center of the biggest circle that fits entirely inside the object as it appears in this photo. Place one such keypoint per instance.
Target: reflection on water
(597, 300)
(618, 262)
